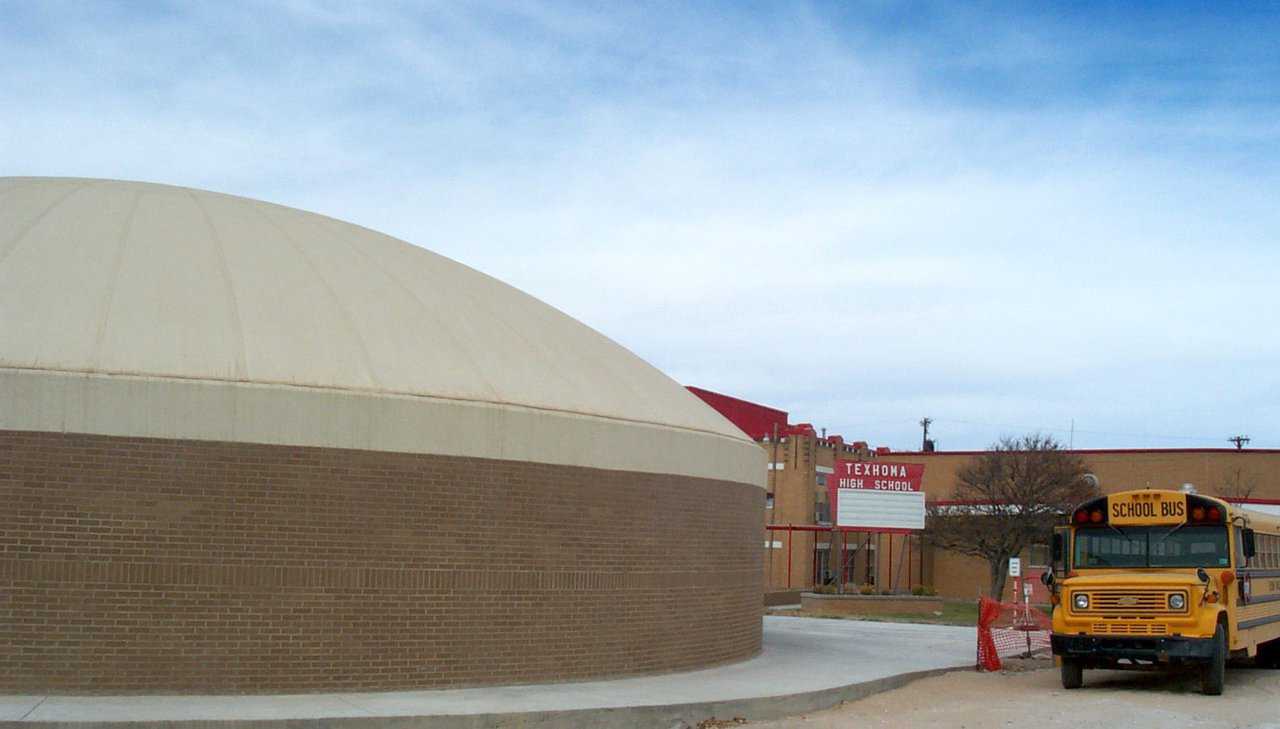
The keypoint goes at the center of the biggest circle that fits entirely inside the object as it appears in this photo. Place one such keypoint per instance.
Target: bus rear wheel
(1072, 673)
(1213, 674)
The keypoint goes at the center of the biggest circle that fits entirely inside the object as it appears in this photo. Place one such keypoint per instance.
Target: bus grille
(1129, 629)
(1131, 602)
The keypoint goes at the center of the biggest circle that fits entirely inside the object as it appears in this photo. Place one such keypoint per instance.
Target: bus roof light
(1096, 516)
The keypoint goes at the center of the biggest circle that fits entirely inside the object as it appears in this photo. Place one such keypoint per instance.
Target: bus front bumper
(1089, 647)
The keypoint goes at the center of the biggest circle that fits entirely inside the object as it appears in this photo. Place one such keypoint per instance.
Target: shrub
(867, 589)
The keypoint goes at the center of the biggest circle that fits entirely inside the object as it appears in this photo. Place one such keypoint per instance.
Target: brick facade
(1253, 472)
(1222, 472)
(147, 565)
(888, 562)
(898, 563)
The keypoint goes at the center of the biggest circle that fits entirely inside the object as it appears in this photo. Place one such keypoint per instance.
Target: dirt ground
(1034, 698)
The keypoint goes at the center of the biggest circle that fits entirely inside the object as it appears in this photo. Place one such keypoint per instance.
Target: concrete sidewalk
(806, 664)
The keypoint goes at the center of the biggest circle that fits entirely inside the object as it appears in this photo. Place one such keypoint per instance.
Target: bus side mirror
(1248, 543)
(1046, 578)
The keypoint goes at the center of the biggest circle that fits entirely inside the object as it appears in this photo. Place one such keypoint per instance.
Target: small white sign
(1015, 567)
(1026, 590)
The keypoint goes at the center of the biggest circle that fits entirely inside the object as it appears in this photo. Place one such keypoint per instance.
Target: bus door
(1061, 551)
(1059, 559)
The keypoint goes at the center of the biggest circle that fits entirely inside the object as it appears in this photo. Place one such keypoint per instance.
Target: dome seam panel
(242, 366)
(341, 308)
(122, 243)
(493, 390)
(16, 241)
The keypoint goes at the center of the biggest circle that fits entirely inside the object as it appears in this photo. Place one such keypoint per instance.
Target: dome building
(249, 448)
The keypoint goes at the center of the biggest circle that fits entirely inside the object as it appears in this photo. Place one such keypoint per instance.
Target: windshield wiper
(1117, 531)
(1169, 533)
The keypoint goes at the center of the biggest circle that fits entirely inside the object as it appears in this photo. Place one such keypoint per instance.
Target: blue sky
(1003, 216)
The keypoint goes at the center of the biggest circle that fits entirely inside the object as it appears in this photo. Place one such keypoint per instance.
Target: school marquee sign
(877, 496)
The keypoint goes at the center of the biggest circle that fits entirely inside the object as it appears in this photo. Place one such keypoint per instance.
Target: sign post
(1015, 571)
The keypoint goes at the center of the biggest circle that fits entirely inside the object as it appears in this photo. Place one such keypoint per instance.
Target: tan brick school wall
(897, 567)
(1213, 471)
(792, 480)
(143, 565)
(1210, 469)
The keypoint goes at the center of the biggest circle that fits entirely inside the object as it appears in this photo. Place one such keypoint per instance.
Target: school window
(1038, 555)
(821, 510)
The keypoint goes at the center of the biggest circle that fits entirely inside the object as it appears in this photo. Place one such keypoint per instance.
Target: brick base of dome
(133, 565)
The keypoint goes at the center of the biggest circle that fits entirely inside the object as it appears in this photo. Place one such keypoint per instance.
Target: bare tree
(1236, 484)
(1009, 498)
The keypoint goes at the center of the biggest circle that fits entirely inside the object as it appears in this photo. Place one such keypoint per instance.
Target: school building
(802, 549)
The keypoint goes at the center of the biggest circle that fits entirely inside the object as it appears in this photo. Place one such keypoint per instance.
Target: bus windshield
(1152, 546)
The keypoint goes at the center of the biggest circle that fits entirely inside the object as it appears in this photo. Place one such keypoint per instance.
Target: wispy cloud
(864, 217)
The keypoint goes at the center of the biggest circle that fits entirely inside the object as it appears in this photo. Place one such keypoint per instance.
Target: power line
(862, 424)
(1079, 430)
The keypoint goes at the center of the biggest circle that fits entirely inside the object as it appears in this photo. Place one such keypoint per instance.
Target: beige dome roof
(125, 281)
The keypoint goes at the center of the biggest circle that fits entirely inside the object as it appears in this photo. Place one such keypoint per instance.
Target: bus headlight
(1177, 601)
(1080, 601)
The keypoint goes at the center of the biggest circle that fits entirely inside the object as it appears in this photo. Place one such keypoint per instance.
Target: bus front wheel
(1213, 673)
(1072, 673)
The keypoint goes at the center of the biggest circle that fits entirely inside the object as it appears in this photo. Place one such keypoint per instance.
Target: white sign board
(870, 509)
(1015, 567)
(877, 495)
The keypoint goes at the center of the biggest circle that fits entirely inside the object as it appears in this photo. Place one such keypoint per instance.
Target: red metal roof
(756, 420)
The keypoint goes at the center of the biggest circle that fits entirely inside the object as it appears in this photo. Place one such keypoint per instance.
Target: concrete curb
(664, 716)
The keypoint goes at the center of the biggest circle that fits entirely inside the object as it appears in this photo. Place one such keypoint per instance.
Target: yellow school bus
(1160, 579)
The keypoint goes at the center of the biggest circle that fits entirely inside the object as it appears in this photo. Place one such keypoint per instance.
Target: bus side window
(1268, 550)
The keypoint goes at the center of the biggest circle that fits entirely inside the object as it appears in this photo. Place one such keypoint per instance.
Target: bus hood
(1127, 578)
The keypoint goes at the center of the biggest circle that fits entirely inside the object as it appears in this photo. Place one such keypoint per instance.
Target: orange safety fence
(1007, 630)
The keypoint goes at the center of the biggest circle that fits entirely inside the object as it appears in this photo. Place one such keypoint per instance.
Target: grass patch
(952, 613)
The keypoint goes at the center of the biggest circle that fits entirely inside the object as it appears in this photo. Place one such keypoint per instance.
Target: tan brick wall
(795, 490)
(958, 576)
(1213, 471)
(1119, 470)
(142, 565)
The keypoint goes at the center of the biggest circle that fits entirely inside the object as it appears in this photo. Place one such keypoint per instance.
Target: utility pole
(924, 440)
(1239, 440)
